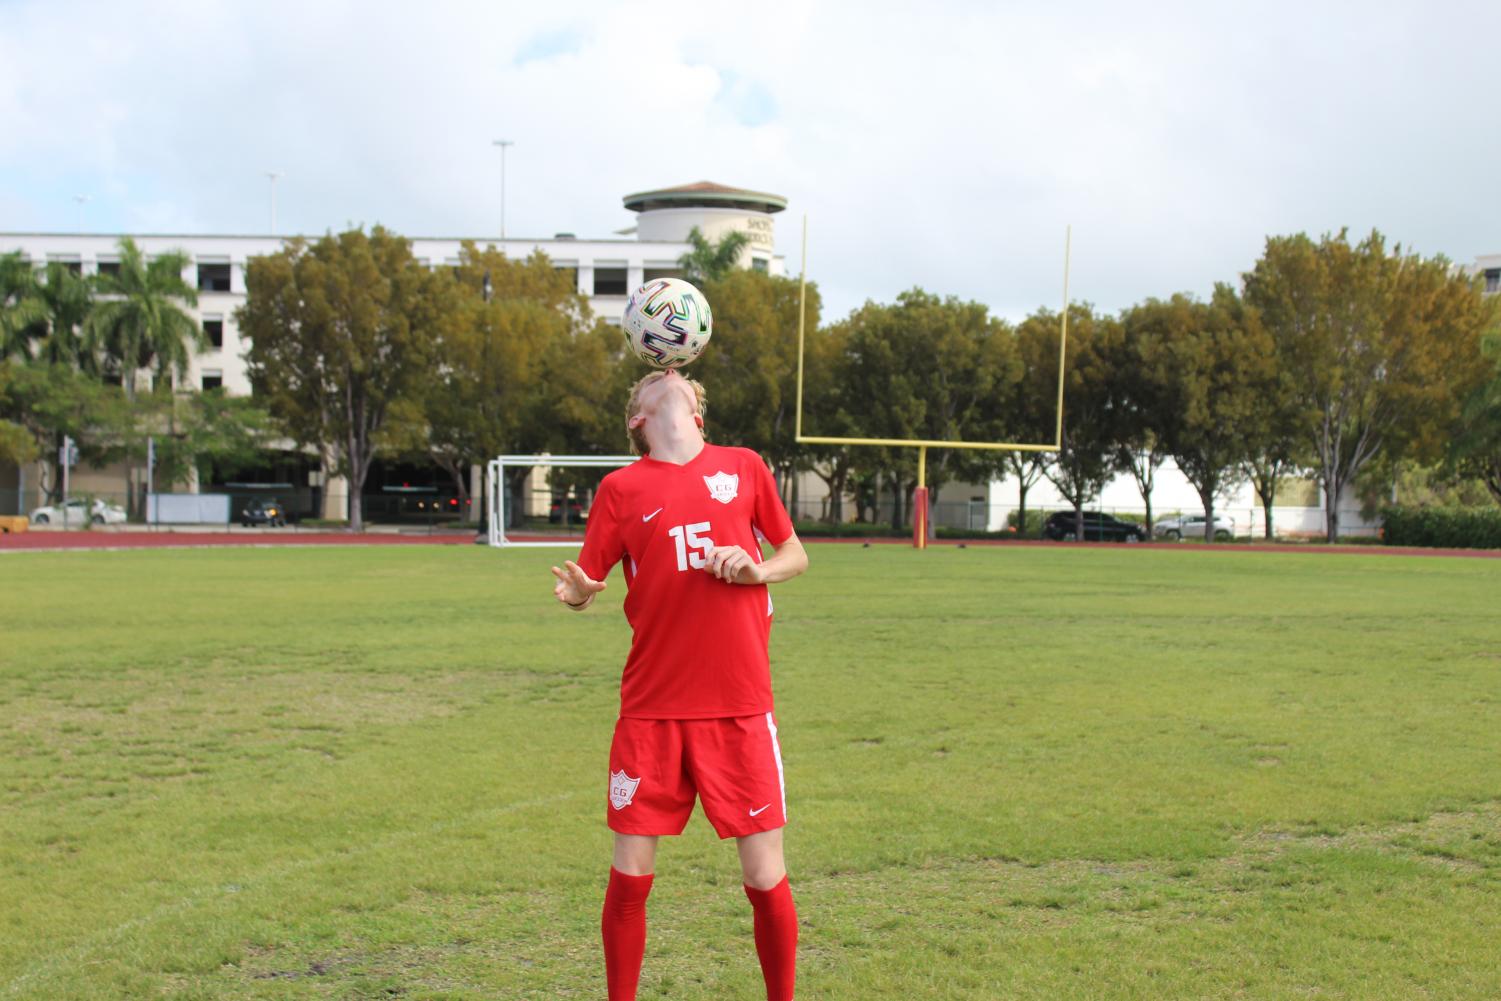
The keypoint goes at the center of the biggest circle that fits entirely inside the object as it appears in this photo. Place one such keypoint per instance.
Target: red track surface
(106, 539)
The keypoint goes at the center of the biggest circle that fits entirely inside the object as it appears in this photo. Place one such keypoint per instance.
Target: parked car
(264, 511)
(79, 510)
(1062, 526)
(1191, 526)
(575, 511)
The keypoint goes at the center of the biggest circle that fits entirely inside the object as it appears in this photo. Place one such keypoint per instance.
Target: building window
(111, 268)
(74, 266)
(609, 281)
(213, 277)
(760, 264)
(212, 380)
(1493, 279)
(571, 272)
(213, 329)
(651, 274)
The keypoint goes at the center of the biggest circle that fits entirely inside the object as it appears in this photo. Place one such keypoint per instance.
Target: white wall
(1171, 492)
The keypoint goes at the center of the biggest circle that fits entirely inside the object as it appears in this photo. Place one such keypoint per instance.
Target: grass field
(1013, 773)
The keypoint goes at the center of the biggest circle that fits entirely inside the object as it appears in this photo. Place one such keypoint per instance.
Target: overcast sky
(944, 145)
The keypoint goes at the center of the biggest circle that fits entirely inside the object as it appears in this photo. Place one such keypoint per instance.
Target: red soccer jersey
(700, 643)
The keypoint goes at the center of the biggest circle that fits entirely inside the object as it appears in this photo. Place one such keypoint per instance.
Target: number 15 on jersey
(693, 544)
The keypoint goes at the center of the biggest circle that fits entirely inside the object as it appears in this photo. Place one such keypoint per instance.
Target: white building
(1488, 266)
(605, 269)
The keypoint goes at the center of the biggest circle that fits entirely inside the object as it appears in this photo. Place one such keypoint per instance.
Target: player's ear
(698, 419)
(636, 421)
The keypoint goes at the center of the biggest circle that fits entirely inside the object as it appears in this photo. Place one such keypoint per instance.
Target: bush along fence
(1443, 528)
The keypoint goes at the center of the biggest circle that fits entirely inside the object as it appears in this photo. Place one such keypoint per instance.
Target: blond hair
(633, 407)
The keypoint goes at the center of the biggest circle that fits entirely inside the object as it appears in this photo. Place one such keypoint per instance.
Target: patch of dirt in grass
(1474, 833)
(77, 741)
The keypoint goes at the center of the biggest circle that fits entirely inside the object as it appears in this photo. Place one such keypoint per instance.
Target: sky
(941, 145)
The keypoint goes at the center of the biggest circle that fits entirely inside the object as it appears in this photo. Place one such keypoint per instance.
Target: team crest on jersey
(622, 789)
(723, 487)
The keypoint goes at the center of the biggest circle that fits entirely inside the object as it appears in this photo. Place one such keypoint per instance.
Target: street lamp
(81, 200)
(273, 176)
(503, 143)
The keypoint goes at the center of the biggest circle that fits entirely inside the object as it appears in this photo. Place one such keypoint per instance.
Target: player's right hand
(574, 587)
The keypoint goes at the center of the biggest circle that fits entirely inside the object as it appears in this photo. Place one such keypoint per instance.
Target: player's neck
(678, 446)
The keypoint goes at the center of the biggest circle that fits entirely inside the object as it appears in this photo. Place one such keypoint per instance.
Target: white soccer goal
(495, 485)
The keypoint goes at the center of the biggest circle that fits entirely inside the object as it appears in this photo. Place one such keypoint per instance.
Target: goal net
(564, 527)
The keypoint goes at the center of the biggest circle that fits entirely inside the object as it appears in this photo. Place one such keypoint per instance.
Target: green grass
(1013, 773)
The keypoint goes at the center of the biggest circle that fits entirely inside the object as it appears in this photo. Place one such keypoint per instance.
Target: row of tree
(1330, 357)
(96, 358)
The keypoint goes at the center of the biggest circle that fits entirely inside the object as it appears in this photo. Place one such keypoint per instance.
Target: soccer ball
(667, 322)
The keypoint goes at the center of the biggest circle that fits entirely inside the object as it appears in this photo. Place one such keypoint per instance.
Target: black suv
(1061, 526)
(270, 512)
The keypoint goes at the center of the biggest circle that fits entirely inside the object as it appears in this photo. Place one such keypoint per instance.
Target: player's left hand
(733, 565)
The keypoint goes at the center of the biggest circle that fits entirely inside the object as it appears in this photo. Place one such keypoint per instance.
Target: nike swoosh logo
(762, 810)
(649, 517)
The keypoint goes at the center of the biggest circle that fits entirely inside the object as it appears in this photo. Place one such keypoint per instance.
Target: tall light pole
(503, 143)
(273, 176)
(81, 200)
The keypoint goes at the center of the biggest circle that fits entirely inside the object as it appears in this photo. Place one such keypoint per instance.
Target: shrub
(1444, 528)
(1035, 518)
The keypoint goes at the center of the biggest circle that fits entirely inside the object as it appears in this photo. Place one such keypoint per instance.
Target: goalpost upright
(920, 497)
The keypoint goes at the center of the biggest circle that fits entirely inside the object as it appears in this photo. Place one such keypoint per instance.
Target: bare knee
(635, 854)
(761, 860)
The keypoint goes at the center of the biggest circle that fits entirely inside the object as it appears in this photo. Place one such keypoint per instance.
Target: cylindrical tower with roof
(668, 214)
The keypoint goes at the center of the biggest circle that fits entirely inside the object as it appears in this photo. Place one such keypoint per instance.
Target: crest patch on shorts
(622, 789)
(723, 486)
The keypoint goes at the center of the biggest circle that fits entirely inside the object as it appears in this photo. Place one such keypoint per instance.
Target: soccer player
(695, 697)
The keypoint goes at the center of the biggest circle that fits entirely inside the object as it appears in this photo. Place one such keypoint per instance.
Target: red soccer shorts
(733, 765)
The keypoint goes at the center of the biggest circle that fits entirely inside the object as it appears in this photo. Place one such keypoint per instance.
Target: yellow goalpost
(920, 498)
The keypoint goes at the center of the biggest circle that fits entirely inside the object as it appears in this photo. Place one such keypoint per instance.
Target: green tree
(67, 301)
(1215, 361)
(196, 431)
(1087, 460)
(1476, 447)
(830, 412)
(340, 332)
(22, 313)
(920, 368)
(1141, 392)
(17, 445)
(499, 362)
(750, 367)
(1276, 438)
(48, 402)
(708, 261)
(1032, 414)
(139, 321)
(1383, 346)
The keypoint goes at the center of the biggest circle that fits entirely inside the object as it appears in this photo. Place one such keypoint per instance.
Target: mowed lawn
(1019, 773)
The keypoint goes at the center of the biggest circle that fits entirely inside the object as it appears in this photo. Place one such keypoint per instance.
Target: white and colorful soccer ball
(667, 322)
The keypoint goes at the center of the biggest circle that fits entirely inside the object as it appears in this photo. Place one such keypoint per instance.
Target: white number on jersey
(693, 547)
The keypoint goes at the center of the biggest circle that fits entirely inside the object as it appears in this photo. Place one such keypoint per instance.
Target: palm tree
(21, 313)
(66, 301)
(711, 261)
(138, 323)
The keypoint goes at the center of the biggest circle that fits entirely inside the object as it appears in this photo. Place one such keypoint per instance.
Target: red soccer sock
(776, 938)
(624, 929)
